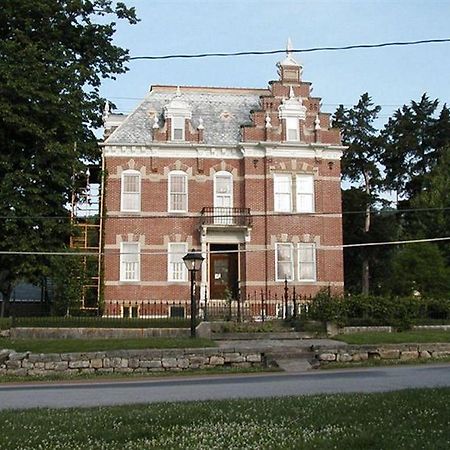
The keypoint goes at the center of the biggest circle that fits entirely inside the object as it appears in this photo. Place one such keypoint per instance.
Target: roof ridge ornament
(289, 60)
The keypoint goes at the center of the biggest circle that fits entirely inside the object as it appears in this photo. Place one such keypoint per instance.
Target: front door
(223, 275)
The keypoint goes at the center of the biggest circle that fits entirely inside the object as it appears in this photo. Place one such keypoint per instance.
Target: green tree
(420, 268)
(413, 140)
(384, 227)
(53, 56)
(360, 162)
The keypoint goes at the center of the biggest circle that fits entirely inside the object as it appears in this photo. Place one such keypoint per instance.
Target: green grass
(381, 363)
(378, 337)
(130, 376)
(93, 345)
(5, 323)
(410, 419)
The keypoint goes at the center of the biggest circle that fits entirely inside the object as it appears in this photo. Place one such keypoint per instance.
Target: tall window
(178, 128)
(307, 262)
(131, 191)
(178, 191)
(284, 262)
(223, 198)
(130, 261)
(282, 193)
(292, 129)
(305, 193)
(176, 269)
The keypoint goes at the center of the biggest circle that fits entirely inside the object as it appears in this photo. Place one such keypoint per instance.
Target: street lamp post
(193, 262)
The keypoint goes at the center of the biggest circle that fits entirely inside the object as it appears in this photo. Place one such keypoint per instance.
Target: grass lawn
(378, 337)
(57, 377)
(92, 345)
(410, 419)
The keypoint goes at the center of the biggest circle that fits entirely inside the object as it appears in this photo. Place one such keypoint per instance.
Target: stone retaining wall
(95, 333)
(124, 361)
(387, 351)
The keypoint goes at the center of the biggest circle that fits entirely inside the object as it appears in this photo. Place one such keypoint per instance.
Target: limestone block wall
(353, 353)
(124, 361)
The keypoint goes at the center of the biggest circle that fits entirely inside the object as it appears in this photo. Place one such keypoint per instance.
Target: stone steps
(291, 360)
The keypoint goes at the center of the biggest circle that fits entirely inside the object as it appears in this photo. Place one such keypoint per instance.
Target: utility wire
(304, 50)
(193, 216)
(156, 253)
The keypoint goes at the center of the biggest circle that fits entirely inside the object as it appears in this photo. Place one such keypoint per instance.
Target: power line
(230, 216)
(240, 251)
(304, 50)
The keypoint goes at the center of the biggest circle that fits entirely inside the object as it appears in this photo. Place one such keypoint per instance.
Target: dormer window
(178, 111)
(292, 129)
(178, 129)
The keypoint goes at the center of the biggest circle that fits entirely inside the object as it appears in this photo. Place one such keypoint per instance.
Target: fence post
(205, 313)
(239, 303)
(262, 306)
(286, 295)
(294, 300)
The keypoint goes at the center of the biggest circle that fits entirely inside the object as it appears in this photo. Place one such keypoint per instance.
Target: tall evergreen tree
(53, 56)
(412, 142)
(360, 162)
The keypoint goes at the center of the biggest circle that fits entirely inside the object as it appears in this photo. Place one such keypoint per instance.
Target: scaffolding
(86, 237)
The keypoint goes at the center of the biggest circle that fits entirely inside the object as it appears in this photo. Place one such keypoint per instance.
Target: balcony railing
(223, 216)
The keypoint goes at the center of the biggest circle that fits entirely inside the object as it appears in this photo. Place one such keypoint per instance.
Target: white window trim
(170, 276)
(121, 264)
(292, 261)
(292, 123)
(279, 176)
(314, 261)
(226, 219)
(122, 185)
(298, 193)
(169, 191)
(183, 128)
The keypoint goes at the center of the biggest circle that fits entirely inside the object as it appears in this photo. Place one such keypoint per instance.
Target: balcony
(226, 217)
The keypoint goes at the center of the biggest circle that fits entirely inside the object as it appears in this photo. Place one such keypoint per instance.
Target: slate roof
(223, 111)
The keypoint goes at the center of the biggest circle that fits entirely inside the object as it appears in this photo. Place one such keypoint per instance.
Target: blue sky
(392, 76)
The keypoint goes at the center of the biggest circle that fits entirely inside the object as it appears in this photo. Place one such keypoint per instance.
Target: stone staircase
(292, 360)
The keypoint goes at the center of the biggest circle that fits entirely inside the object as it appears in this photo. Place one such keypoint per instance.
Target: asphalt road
(57, 395)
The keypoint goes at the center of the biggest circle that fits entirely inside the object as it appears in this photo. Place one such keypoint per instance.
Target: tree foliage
(53, 56)
(360, 163)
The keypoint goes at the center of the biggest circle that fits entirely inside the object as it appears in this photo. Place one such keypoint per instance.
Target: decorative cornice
(244, 150)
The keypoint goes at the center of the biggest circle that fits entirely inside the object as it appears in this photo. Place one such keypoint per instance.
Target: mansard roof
(222, 110)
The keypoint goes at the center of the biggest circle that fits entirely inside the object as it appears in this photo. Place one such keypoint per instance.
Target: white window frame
(178, 123)
(170, 193)
(127, 273)
(301, 261)
(292, 124)
(305, 193)
(176, 269)
(223, 212)
(277, 193)
(131, 194)
(291, 247)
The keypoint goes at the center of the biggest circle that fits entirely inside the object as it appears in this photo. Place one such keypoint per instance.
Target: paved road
(222, 387)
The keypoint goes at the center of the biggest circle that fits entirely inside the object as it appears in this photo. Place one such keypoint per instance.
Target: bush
(359, 310)
(5, 323)
(98, 322)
